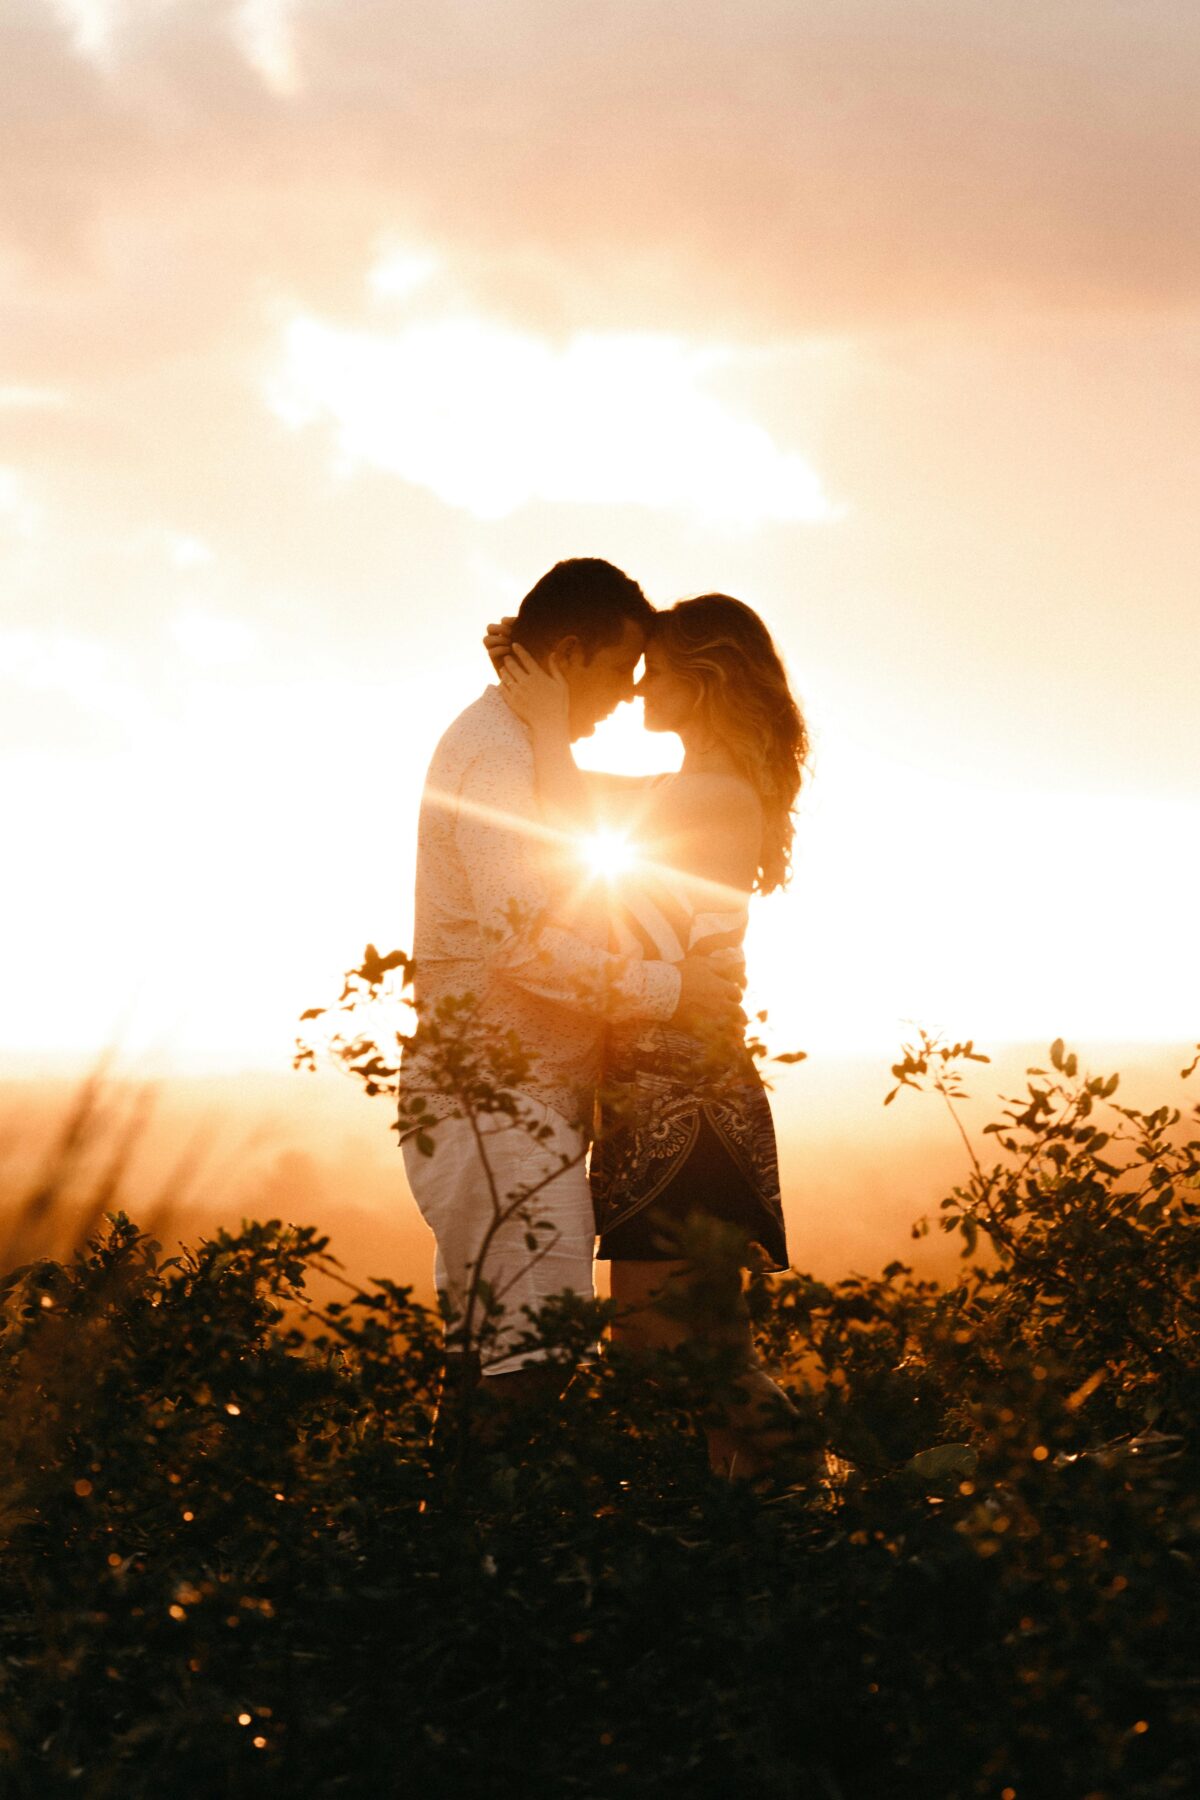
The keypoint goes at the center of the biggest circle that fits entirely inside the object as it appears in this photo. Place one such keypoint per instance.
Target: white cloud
(400, 271)
(93, 24)
(491, 419)
(80, 668)
(187, 552)
(262, 31)
(31, 399)
(19, 511)
(212, 641)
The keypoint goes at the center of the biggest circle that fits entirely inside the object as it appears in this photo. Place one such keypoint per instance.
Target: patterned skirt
(683, 1129)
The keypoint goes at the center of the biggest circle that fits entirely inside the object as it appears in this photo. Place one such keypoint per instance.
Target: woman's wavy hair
(725, 651)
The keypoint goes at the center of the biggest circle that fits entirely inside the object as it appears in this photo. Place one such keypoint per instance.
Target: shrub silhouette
(231, 1561)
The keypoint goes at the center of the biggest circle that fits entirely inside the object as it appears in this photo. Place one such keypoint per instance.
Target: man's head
(593, 620)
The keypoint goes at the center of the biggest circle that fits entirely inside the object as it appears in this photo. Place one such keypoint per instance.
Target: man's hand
(497, 641)
(706, 997)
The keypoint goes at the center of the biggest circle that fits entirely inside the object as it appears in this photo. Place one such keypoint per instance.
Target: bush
(233, 1562)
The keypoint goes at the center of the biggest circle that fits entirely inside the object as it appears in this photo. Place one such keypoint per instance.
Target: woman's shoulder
(716, 823)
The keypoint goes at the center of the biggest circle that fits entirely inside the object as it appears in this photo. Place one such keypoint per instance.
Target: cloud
(30, 399)
(92, 23)
(212, 641)
(68, 667)
(20, 512)
(400, 271)
(490, 419)
(262, 30)
(187, 552)
(765, 169)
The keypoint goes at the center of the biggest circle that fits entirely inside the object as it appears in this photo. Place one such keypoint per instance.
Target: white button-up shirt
(489, 917)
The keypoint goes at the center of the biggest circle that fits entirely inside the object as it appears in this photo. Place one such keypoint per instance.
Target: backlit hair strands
(723, 648)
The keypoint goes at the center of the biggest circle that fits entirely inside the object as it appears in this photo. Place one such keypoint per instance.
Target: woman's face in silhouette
(668, 698)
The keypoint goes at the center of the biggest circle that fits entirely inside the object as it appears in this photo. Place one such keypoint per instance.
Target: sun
(607, 854)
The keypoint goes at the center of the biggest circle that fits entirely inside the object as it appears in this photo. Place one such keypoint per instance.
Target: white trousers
(539, 1199)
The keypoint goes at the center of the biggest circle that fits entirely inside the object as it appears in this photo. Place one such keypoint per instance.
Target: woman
(685, 1147)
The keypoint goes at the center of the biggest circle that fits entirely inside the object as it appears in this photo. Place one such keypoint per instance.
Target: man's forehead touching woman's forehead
(628, 650)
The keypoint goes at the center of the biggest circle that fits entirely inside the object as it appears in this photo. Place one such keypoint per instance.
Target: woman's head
(710, 662)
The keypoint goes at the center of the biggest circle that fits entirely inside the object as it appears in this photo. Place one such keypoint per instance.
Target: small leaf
(943, 1462)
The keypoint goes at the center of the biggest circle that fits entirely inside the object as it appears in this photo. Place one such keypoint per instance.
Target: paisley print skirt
(682, 1128)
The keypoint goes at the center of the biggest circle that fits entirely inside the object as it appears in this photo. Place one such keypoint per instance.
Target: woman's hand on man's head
(539, 697)
(497, 641)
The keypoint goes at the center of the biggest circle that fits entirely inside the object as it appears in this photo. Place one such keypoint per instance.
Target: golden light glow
(608, 854)
(226, 657)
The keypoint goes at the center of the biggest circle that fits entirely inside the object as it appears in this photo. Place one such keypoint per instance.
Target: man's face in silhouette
(597, 687)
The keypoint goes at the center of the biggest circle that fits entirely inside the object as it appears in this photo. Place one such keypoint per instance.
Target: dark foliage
(231, 1563)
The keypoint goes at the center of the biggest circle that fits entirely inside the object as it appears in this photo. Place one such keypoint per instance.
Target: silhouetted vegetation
(232, 1563)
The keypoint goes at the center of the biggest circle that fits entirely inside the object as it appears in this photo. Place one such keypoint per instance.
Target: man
(484, 927)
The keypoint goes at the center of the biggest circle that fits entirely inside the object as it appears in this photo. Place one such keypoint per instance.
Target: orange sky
(325, 328)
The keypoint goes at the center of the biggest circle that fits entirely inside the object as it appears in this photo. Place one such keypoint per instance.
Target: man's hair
(583, 597)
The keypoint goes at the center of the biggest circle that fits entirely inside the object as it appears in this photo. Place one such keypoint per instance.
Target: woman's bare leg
(640, 1324)
(742, 1445)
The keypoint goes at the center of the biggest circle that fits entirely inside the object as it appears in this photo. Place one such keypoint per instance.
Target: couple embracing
(624, 994)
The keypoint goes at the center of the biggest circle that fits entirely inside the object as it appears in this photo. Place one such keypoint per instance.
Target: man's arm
(501, 836)
(571, 798)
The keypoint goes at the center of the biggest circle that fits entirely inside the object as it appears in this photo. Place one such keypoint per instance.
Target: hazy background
(326, 328)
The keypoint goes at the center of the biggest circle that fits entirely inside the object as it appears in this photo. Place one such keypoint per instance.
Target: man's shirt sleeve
(501, 837)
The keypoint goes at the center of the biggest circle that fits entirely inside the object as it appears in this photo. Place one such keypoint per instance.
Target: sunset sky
(327, 326)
